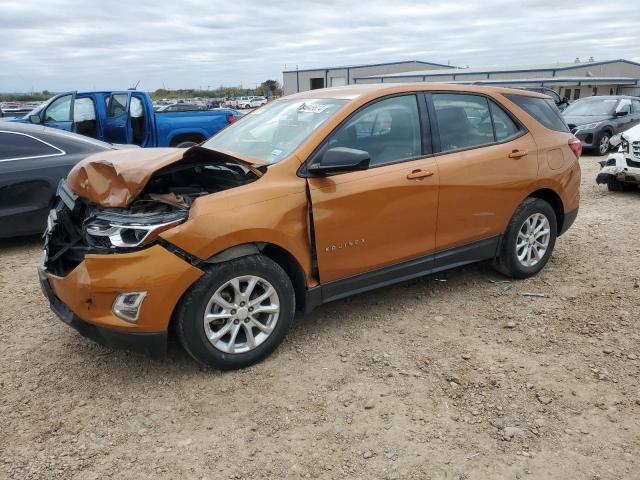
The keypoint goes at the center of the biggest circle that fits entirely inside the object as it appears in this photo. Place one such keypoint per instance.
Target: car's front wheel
(529, 239)
(237, 313)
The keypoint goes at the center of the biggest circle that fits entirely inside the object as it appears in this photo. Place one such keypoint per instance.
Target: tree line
(268, 88)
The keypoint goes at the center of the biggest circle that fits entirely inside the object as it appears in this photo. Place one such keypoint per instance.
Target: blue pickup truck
(127, 117)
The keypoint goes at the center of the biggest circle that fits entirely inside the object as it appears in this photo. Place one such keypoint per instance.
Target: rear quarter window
(18, 146)
(543, 110)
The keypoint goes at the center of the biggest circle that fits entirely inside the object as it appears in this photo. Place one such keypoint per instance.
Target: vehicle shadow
(30, 241)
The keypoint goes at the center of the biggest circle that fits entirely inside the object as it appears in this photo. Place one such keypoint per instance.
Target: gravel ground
(460, 376)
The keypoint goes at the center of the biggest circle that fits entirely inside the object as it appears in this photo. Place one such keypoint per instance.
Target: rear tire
(218, 322)
(529, 239)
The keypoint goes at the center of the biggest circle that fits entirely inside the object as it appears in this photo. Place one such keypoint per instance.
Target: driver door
(59, 113)
(379, 217)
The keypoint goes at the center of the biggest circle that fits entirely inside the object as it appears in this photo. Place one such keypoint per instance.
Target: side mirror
(621, 113)
(34, 119)
(340, 159)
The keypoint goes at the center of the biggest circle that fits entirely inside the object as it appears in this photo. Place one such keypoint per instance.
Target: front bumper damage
(620, 167)
(84, 292)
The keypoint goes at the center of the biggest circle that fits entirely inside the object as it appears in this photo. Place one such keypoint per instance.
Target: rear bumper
(153, 344)
(569, 218)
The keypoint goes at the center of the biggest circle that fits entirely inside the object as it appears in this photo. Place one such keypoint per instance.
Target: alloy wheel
(241, 314)
(603, 147)
(533, 239)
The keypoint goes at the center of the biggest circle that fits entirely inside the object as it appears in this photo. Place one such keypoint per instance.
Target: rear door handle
(518, 154)
(419, 174)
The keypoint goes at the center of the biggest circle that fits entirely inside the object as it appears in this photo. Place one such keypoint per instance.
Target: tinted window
(117, 105)
(543, 110)
(463, 120)
(504, 125)
(59, 110)
(20, 146)
(389, 130)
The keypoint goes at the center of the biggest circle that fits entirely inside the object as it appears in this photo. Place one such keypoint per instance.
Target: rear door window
(117, 105)
(18, 146)
(505, 127)
(543, 110)
(464, 120)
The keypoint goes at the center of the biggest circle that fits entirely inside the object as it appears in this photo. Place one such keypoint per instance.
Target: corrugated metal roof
(568, 80)
(499, 69)
(339, 67)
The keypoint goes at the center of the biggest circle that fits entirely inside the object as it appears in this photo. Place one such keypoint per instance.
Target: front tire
(529, 239)
(237, 313)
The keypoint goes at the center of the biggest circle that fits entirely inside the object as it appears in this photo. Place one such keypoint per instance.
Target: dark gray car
(33, 159)
(594, 120)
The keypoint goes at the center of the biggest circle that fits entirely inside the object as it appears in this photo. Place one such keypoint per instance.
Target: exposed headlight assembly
(120, 230)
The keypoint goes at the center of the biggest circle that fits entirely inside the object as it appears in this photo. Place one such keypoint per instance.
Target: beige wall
(304, 76)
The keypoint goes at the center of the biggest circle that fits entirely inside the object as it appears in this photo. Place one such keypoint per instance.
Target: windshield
(274, 131)
(592, 107)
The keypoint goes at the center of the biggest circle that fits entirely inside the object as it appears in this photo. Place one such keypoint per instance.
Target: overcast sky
(70, 44)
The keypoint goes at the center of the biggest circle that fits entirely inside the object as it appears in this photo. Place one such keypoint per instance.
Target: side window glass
(117, 105)
(389, 130)
(505, 127)
(635, 106)
(463, 120)
(15, 146)
(59, 110)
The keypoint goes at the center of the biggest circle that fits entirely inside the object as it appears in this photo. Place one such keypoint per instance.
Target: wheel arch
(196, 137)
(553, 199)
(276, 253)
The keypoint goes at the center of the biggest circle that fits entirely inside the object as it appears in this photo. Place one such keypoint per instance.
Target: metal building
(312, 78)
(570, 80)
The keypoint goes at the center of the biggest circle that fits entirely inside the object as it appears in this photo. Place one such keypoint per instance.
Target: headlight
(624, 146)
(587, 126)
(117, 230)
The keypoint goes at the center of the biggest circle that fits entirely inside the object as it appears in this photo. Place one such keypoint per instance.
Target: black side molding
(455, 257)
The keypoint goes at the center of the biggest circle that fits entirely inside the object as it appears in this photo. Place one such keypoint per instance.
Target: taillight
(231, 118)
(575, 146)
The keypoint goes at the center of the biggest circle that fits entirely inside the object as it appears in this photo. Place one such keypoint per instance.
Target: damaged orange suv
(309, 199)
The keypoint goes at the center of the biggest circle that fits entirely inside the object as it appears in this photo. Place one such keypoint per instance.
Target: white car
(621, 171)
(249, 102)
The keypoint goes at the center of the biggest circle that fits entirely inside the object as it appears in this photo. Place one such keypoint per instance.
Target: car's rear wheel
(237, 313)
(529, 239)
(604, 143)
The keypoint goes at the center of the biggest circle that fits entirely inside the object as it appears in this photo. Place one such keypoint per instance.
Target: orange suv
(309, 199)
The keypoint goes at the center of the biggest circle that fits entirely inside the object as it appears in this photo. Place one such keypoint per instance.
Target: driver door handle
(419, 174)
(518, 154)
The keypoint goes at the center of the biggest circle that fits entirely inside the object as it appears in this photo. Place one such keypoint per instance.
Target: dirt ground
(460, 376)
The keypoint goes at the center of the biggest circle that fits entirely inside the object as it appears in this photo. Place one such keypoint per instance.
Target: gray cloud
(72, 44)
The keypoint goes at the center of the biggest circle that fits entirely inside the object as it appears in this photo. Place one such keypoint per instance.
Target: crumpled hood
(115, 178)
